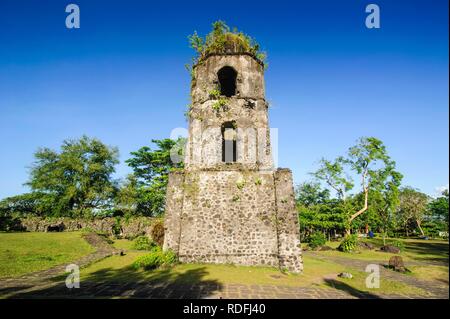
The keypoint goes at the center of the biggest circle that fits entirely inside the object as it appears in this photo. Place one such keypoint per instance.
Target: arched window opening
(227, 79)
(229, 137)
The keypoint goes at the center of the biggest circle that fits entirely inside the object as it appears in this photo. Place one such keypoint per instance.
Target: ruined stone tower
(229, 204)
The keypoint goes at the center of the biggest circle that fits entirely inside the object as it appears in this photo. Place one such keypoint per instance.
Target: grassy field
(415, 250)
(426, 259)
(27, 252)
(317, 273)
(22, 253)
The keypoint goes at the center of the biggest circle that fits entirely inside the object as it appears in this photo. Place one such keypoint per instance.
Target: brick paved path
(227, 291)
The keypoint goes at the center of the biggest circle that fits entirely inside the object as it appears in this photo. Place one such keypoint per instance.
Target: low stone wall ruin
(128, 228)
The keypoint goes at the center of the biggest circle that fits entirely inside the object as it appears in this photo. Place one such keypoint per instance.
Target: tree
(24, 204)
(310, 193)
(333, 174)
(369, 159)
(412, 208)
(438, 209)
(151, 169)
(77, 180)
(127, 197)
(329, 217)
(385, 192)
(317, 212)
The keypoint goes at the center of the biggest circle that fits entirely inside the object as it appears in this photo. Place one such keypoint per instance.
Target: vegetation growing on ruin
(191, 186)
(222, 39)
(220, 101)
(240, 184)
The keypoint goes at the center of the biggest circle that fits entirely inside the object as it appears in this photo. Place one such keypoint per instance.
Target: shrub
(143, 243)
(317, 239)
(157, 232)
(155, 259)
(117, 227)
(149, 261)
(222, 40)
(348, 244)
(170, 258)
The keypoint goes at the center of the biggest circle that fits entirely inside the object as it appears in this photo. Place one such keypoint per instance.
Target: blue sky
(121, 78)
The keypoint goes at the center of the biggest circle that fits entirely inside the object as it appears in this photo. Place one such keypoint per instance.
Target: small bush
(155, 259)
(170, 258)
(150, 261)
(317, 239)
(117, 227)
(348, 244)
(143, 243)
(157, 232)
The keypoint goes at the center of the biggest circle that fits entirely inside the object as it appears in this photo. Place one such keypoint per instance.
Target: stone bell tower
(229, 204)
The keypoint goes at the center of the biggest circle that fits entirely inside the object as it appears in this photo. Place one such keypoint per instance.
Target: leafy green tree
(77, 180)
(127, 198)
(317, 212)
(438, 210)
(311, 193)
(412, 208)
(330, 218)
(24, 204)
(369, 159)
(439, 207)
(151, 169)
(334, 175)
(385, 194)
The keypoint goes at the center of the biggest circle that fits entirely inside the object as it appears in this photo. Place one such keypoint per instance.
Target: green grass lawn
(317, 273)
(426, 259)
(22, 253)
(123, 244)
(26, 252)
(415, 250)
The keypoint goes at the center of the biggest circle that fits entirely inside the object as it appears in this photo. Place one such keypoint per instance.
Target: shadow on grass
(13, 289)
(445, 281)
(421, 250)
(437, 252)
(336, 284)
(129, 283)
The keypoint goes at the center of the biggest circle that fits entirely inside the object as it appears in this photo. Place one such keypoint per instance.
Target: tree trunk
(362, 210)
(420, 228)
(366, 198)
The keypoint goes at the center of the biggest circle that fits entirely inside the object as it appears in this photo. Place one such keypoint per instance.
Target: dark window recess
(229, 142)
(227, 79)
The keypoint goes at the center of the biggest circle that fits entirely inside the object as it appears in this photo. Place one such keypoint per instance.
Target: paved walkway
(204, 291)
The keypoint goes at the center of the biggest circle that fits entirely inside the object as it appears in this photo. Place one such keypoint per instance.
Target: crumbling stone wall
(129, 228)
(247, 109)
(241, 217)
